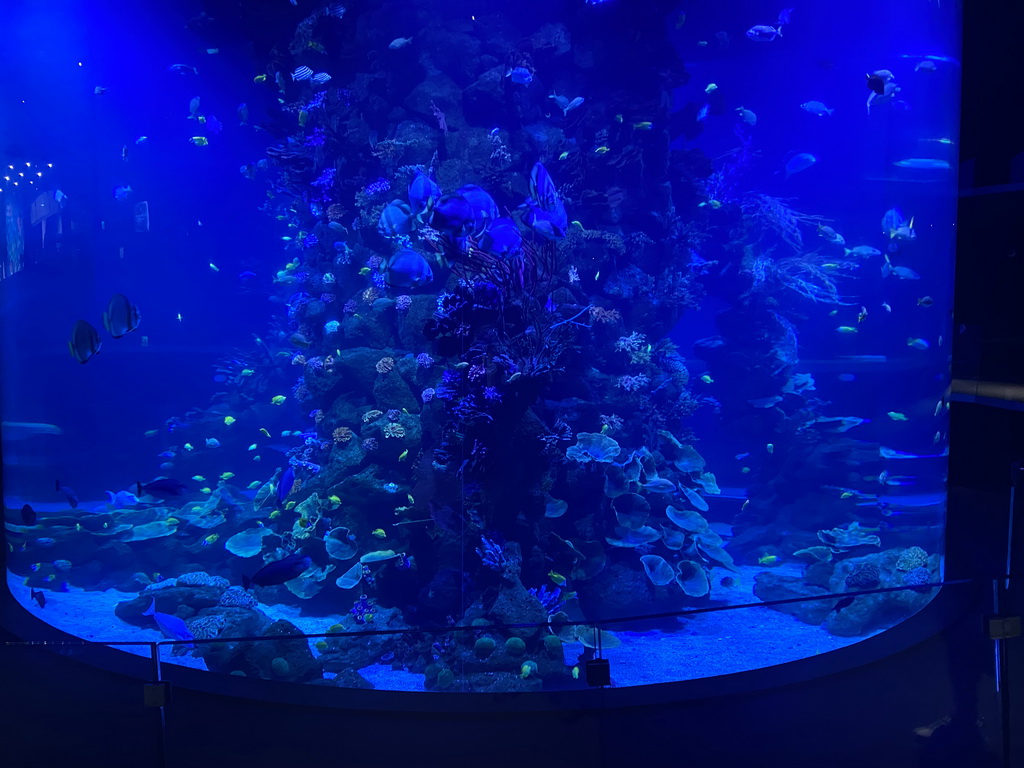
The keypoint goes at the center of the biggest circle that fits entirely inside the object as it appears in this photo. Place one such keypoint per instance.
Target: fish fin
(779, 30)
(151, 611)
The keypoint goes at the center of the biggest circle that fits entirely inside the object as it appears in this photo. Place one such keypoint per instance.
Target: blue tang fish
(170, 625)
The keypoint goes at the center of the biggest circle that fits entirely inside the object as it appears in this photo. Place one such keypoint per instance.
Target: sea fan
(771, 217)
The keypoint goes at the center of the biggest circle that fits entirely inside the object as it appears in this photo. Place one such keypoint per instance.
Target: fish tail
(151, 611)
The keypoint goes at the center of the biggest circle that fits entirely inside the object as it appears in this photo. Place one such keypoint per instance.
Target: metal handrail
(491, 627)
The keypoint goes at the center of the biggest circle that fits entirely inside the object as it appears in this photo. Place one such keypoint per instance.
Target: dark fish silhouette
(279, 571)
(846, 602)
(162, 487)
(28, 515)
(69, 494)
(39, 597)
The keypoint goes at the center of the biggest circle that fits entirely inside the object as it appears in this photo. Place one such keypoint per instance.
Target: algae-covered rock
(484, 647)
(515, 646)
(769, 585)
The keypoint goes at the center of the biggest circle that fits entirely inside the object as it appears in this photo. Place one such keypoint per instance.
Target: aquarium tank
(519, 336)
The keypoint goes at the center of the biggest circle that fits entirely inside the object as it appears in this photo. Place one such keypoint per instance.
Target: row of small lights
(22, 173)
(29, 165)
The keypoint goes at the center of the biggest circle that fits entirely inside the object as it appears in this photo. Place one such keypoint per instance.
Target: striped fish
(122, 317)
(337, 10)
(302, 73)
(321, 78)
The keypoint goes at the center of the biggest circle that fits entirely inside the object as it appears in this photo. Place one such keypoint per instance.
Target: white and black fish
(320, 78)
(84, 341)
(302, 73)
(764, 33)
(121, 316)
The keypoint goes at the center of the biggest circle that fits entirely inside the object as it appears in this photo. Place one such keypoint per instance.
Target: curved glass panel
(417, 318)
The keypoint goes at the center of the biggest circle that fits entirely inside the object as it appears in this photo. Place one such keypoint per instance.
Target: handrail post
(157, 693)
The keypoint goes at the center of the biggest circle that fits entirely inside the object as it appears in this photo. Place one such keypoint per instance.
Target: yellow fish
(211, 539)
(214, 267)
(556, 577)
(334, 499)
(710, 88)
(252, 447)
(602, 150)
(364, 271)
(563, 156)
(646, 125)
(863, 315)
(151, 432)
(896, 416)
(745, 505)
(707, 379)
(201, 119)
(254, 484)
(264, 431)
(246, 372)
(575, 673)
(303, 117)
(846, 329)
(380, 533)
(206, 490)
(259, 78)
(187, 446)
(768, 559)
(846, 495)
(403, 454)
(226, 475)
(275, 513)
(199, 478)
(525, 670)
(200, 141)
(170, 521)
(229, 420)
(770, 448)
(278, 399)
(618, 118)
(289, 505)
(412, 501)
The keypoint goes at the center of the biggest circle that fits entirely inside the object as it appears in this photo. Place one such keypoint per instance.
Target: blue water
(684, 343)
